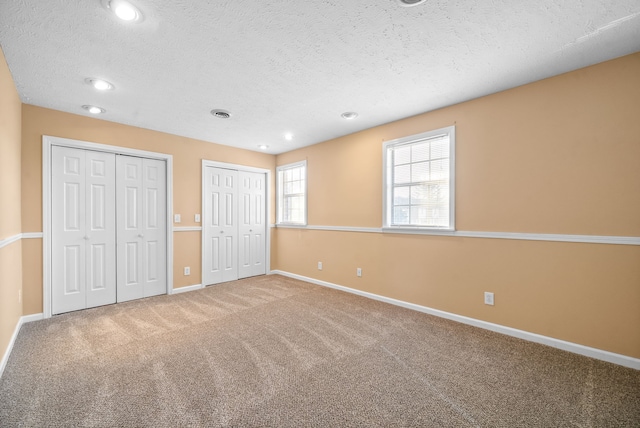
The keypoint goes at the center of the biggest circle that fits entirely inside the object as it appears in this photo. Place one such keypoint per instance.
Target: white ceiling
(294, 66)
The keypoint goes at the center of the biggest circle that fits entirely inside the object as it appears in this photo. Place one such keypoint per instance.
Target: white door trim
(209, 163)
(47, 143)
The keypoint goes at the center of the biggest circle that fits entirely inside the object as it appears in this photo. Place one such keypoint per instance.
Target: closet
(108, 228)
(234, 227)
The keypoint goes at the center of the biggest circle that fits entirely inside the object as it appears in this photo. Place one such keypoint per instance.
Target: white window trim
(386, 186)
(279, 193)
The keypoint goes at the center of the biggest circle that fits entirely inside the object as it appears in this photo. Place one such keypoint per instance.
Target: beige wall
(558, 156)
(187, 157)
(10, 255)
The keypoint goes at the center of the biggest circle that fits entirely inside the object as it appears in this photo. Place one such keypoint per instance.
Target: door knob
(140, 235)
(222, 231)
(86, 237)
(250, 230)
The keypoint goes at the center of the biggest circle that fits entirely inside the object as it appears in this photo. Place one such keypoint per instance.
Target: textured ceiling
(294, 66)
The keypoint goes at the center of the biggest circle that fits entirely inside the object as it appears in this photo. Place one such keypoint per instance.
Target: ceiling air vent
(221, 114)
(407, 3)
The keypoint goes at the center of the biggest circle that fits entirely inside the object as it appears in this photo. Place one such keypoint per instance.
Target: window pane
(419, 172)
(419, 215)
(419, 195)
(401, 215)
(440, 148)
(439, 194)
(440, 169)
(420, 152)
(402, 155)
(402, 174)
(401, 196)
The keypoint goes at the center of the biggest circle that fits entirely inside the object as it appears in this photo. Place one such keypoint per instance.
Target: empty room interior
(363, 213)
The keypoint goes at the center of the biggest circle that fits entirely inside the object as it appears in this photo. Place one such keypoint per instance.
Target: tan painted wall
(10, 255)
(557, 156)
(187, 157)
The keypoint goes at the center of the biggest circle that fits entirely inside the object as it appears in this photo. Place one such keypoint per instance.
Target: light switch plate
(176, 218)
(197, 218)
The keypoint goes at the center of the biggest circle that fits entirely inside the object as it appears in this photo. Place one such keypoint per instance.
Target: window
(419, 181)
(292, 193)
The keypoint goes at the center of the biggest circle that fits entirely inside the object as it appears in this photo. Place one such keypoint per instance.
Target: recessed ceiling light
(409, 3)
(94, 109)
(288, 136)
(263, 147)
(221, 114)
(99, 84)
(349, 115)
(123, 10)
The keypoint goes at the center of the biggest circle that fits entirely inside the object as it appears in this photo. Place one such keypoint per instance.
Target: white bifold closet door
(252, 226)
(83, 263)
(141, 233)
(234, 226)
(220, 226)
(108, 228)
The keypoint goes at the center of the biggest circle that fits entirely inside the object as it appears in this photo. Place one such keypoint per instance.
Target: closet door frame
(267, 208)
(47, 143)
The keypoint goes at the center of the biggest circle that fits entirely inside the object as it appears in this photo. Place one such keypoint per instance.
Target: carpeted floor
(274, 351)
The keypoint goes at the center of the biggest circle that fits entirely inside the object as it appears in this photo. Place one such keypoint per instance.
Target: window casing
(419, 181)
(292, 193)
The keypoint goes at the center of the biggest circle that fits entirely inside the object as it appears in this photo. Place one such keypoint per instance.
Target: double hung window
(419, 181)
(292, 193)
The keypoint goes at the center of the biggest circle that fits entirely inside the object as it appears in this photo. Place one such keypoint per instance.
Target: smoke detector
(409, 3)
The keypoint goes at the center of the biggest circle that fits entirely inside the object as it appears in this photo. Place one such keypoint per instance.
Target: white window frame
(279, 194)
(387, 185)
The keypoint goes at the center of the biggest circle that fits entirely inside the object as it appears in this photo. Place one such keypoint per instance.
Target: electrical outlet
(319, 265)
(176, 218)
(488, 298)
(197, 218)
(359, 271)
(187, 271)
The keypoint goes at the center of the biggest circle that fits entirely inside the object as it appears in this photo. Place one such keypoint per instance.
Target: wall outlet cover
(488, 298)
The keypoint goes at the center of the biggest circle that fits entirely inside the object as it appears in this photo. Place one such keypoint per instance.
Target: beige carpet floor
(276, 352)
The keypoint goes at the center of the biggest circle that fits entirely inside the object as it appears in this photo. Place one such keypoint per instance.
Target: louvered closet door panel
(101, 228)
(220, 229)
(129, 196)
(252, 226)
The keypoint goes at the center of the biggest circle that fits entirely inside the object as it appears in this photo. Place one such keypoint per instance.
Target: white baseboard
(598, 354)
(21, 320)
(187, 288)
